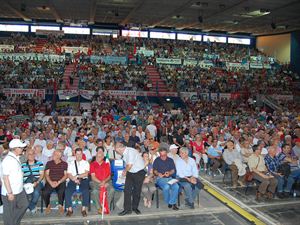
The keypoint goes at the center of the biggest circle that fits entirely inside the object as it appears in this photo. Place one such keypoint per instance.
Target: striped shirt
(36, 168)
(57, 171)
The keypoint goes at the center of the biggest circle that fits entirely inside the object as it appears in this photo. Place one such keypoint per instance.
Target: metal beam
(93, 7)
(131, 13)
(173, 13)
(54, 12)
(15, 11)
(212, 15)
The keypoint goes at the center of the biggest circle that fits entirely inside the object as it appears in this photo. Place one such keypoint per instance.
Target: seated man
(187, 173)
(214, 153)
(257, 165)
(164, 169)
(273, 163)
(56, 175)
(286, 157)
(100, 175)
(78, 171)
(234, 160)
(33, 171)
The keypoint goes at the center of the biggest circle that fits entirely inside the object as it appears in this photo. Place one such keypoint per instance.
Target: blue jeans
(84, 188)
(281, 181)
(190, 191)
(295, 174)
(34, 197)
(170, 192)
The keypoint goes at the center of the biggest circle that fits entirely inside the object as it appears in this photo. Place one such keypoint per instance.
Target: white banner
(283, 97)
(87, 94)
(67, 94)
(4, 48)
(206, 64)
(168, 61)
(190, 62)
(186, 95)
(237, 65)
(10, 92)
(256, 65)
(74, 50)
(225, 96)
(145, 52)
(32, 56)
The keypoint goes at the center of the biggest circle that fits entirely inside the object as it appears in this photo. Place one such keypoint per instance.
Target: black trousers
(60, 190)
(132, 190)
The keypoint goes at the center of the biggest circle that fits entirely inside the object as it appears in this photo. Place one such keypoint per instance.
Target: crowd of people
(153, 146)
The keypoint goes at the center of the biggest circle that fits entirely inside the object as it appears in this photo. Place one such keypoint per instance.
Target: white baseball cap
(17, 143)
(173, 146)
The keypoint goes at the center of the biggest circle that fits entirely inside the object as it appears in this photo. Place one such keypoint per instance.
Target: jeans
(295, 174)
(190, 191)
(84, 188)
(170, 192)
(35, 196)
(281, 181)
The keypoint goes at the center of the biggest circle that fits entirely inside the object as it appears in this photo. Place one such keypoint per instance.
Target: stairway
(40, 43)
(68, 70)
(155, 79)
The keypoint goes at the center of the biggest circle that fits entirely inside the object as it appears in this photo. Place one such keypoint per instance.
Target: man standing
(14, 197)
(135, 174)
(78, 171)
(164, 169)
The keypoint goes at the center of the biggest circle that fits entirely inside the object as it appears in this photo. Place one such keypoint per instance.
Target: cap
(17, 143)
(297, 140)
(173, 146)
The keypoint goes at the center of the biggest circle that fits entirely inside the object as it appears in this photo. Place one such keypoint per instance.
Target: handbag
(249, 174)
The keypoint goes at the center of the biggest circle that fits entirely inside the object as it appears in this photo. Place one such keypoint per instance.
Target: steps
(157, 83)
(68, 71)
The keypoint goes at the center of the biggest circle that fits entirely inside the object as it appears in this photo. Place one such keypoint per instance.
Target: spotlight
(167, 99)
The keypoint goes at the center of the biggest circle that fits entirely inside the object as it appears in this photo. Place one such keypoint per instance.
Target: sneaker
(33, 211)
(48, 210)
(280, 195)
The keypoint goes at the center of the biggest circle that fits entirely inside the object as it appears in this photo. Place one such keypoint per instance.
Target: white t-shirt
(88, 154)
(68, 151)
(133, 157)
(83, 166)
(48, 152)
(11, 167)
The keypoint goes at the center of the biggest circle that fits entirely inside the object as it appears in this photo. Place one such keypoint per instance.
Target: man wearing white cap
(14, 197)
(173, 153)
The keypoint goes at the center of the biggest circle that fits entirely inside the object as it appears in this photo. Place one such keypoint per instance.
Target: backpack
(284, 169)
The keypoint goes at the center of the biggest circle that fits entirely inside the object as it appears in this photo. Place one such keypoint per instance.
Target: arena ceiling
(233, 16)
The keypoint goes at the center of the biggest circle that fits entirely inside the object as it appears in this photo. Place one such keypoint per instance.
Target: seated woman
(234, 160)
(148, 186)
(257, 165)
(199, 151)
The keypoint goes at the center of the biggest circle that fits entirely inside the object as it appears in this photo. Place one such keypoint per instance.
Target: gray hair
(184, 149)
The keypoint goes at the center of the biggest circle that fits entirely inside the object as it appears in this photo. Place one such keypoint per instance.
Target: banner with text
(32, 56)
(108, 59)
(168, 61)
(11, 92)
(75, 50)
(6, 48)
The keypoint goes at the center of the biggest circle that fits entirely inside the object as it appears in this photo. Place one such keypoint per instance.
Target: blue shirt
(213, 151)
(186, 169)
(272, 163)
(162, 166)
